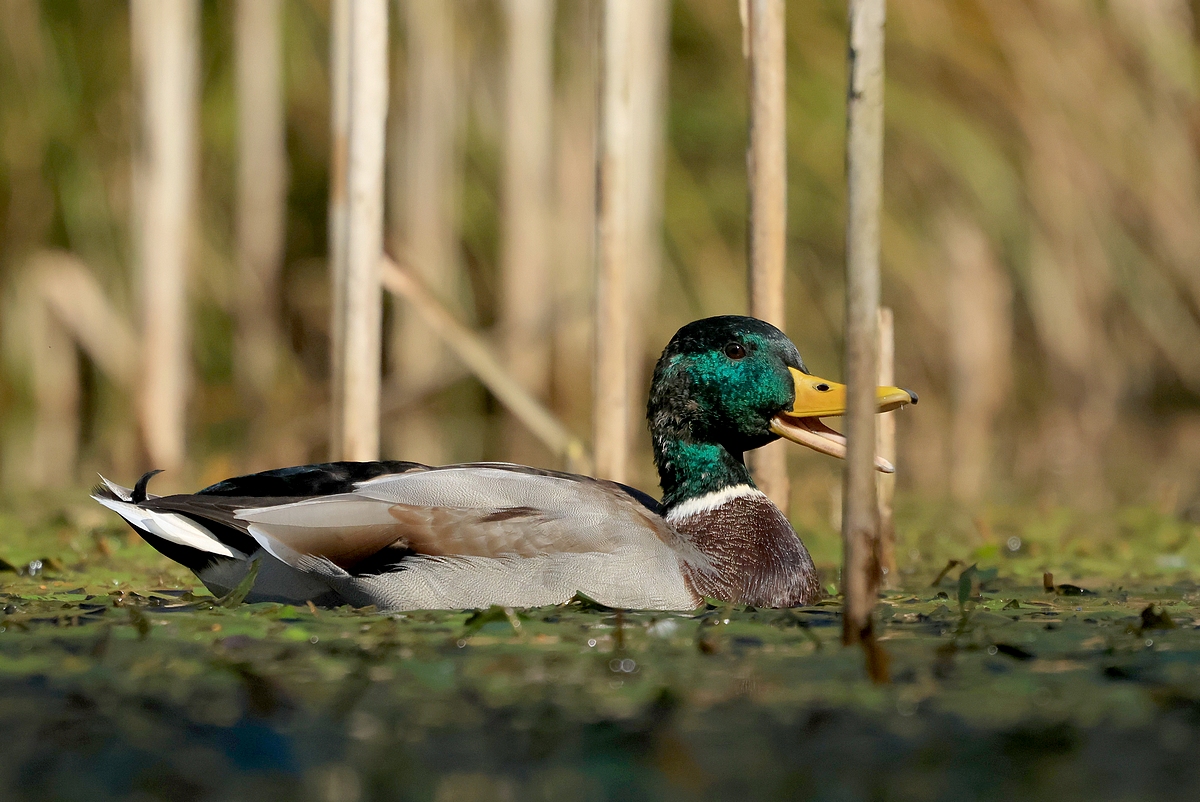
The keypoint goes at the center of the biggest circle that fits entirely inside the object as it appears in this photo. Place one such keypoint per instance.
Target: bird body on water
(404, 536)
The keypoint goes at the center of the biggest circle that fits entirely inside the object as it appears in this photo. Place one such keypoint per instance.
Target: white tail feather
(178, 529)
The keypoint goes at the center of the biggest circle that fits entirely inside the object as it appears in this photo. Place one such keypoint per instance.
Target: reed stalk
(356, 256)
(885, 446)
(425, 212)
(766, 161)
(610, 410)
(526, 291)
(864, 174)
(165, 38)
(261, 193)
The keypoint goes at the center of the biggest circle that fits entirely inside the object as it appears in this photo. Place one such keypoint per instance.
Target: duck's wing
(364, 517)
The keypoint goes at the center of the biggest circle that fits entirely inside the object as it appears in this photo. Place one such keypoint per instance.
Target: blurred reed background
(1041, 234)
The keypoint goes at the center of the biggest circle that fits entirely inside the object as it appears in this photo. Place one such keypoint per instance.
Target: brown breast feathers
(756, 557)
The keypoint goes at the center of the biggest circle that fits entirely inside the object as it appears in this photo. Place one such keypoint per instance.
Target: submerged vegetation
(120, 675)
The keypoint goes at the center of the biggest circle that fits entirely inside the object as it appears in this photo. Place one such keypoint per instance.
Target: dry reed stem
(525, 294)
(648, 55)
(864, 162)
(885, 447)
(610, 411)
(766, 161)
(979, 297)
(426, 184)
(356, 432)
(480, 359)
(575, 212)
(261, 192)
(526, 290)
(339, 201)
(165, 40)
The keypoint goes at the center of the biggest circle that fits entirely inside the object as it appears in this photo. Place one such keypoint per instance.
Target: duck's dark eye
(735, 350)
(822, 388)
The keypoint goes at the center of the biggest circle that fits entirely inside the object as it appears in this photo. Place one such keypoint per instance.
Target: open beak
(818, 398)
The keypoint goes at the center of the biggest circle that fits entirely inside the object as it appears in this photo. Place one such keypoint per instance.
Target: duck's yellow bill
(818, 398)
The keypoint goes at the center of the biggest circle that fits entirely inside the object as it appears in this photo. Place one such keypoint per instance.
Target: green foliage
(236, 596)
(971, 582)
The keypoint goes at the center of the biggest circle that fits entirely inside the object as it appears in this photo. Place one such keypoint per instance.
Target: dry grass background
(1041, 241)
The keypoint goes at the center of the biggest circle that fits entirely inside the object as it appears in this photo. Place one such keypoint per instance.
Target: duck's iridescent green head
(728, 384)
(721, 380)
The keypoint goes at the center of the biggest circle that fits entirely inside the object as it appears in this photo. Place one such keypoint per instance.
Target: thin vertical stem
(885, 446)
(165, 41)
(359, 260)
(427, 177)
(649, 51)
(525, 293)
(339, 102)
(979, 318)
(766, 162)
(864, 162)
(261, 192)
(575, 211)
(610, 393)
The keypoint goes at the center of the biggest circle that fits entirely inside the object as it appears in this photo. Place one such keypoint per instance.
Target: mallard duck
(403, 536)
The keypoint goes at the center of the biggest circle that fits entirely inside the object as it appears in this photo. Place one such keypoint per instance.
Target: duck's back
(405, 536)
(486, 534)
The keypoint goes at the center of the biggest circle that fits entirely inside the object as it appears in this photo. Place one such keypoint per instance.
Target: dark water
(64, 744)
(1059, 697)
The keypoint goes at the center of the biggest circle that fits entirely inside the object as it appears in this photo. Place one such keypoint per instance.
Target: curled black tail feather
(139, 490)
